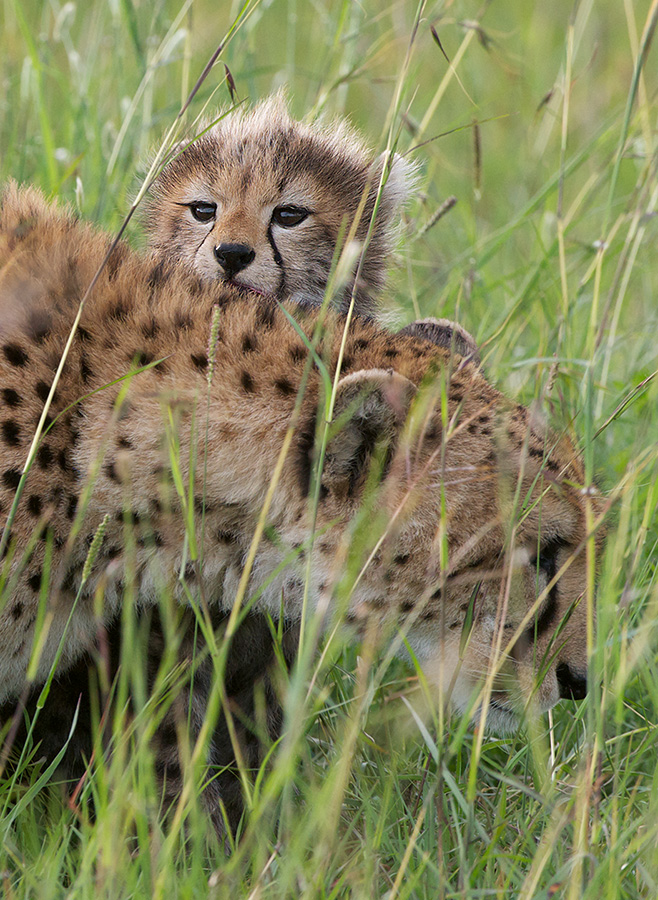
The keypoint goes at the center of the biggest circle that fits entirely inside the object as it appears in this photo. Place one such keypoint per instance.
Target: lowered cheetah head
(472, 551)
(262, 202)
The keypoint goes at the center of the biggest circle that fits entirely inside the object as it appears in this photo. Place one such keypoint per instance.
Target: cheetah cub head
(261, 202)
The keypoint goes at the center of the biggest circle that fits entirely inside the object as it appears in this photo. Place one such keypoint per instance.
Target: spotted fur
(503, 491)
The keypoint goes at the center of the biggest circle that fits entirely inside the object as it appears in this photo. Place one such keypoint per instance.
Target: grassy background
(549, 259)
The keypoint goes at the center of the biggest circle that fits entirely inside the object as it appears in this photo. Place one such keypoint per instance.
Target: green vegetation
(543, 126)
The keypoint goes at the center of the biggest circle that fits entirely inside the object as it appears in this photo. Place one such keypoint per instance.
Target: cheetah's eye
(202, 210)
(287, 216)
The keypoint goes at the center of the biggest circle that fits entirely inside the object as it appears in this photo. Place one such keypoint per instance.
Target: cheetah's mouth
(246, 288)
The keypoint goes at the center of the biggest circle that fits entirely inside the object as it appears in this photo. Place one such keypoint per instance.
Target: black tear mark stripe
(545, 618)
(278, 259)
(548, 565)
(548, 556)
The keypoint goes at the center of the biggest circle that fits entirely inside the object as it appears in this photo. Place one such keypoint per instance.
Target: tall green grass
(543, 126)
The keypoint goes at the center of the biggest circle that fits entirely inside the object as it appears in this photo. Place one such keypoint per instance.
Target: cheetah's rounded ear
(447, 334)
(400, 184)
(371, 408)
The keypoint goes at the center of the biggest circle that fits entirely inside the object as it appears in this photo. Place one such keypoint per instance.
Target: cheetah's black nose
(573, 684)
(233, 258)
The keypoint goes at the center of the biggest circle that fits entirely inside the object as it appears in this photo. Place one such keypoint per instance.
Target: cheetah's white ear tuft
(371, 408)
(401, 184)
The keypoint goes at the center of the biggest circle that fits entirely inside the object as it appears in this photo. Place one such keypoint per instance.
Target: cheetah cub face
(262, 202)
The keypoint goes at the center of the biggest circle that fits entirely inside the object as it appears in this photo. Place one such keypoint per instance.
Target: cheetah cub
(262, 202)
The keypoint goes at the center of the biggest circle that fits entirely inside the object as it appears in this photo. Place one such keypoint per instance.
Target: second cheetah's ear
(447, 334)
(371, 408)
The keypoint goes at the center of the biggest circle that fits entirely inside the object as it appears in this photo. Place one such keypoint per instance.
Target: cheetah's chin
(501, 720)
